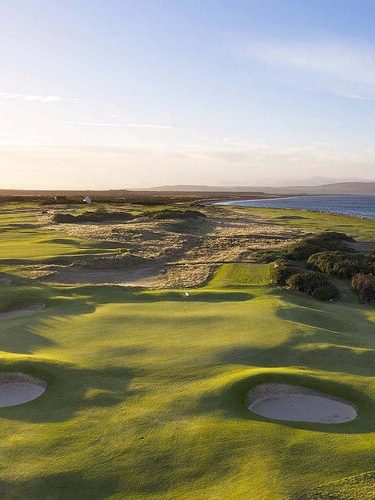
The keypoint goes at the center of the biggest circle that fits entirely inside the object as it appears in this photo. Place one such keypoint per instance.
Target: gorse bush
(364, 286)
(315, 284)
(267, 256)
(327, 240)
(281, 270)
(342, 264)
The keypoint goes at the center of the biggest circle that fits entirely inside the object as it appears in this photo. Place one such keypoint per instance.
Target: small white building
(87, 200)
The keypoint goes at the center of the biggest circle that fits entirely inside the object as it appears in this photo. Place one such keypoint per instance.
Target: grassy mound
(174, 214)
(113, 261)
(97, 216)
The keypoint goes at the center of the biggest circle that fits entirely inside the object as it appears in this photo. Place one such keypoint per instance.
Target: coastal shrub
(342, 264)
(301, 250)
(327, 240)
(280, 271)
(174, 214)
(267, 256)
(97, 216)
(364, 286)
(315, 284)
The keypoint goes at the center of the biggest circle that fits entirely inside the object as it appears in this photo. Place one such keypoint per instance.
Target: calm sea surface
(360, 206)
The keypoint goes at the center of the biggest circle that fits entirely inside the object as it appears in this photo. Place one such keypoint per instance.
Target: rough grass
(362, 229)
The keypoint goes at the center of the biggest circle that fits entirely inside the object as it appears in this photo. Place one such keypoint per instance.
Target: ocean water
(359, 206)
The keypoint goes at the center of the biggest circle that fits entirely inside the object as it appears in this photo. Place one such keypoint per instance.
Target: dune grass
(146, 392)
(363, 229)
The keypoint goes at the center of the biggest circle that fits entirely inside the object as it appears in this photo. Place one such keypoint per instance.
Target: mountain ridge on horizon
(366, 188)
(343, 188)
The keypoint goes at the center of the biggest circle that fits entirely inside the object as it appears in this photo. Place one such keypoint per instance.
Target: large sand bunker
(290, 402)
(22, 310)
(17, 388)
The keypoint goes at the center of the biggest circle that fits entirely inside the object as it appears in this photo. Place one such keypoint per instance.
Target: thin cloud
(114, 124)
(357, 97)
(37, 98)
(333, 61)
(100, 167)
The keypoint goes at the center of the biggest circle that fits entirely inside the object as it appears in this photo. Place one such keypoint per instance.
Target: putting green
(146, 393)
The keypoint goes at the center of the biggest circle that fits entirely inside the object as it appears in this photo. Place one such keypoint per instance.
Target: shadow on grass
(312, 354)
(232, 402)
(21, 340)
(59, 486)
(69, 390)
(120, 294)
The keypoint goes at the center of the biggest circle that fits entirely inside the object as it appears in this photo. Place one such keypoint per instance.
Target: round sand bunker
(17, 388)
(299, 404)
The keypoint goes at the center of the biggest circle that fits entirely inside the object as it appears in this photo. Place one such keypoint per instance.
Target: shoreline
(240, 203)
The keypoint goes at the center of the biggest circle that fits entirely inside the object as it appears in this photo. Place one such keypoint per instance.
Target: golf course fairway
(146, 391)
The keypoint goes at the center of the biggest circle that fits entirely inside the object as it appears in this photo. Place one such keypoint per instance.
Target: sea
(357, 205)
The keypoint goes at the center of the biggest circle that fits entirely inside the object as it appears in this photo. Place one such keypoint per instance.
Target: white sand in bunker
(17, 388)
(289, 402)
(22, 310)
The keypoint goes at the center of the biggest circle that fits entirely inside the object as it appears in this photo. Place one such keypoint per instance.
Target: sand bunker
(22, 310)
(290, 402)
(17, 388)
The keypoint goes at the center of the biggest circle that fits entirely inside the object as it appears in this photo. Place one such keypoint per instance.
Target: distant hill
(365, 188)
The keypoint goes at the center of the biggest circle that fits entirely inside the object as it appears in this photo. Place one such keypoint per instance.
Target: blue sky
(141, 93)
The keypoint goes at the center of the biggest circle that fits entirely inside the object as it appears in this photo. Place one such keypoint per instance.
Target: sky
(141, 93)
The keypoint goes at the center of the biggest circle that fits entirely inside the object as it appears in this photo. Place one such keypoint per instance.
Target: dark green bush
(364, 286)
(342, 264)
(174, 214)
(301, 250)
(267, 256)
(327, 240)
(280, 271)
(315, 284)
(98, 216)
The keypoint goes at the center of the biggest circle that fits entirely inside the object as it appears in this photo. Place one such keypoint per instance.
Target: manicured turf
(21, 243)
(146, 394)
(241, 275)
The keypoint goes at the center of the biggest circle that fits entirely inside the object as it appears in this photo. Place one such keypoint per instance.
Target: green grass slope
(146, 392)
(350, 488)
(240, 275)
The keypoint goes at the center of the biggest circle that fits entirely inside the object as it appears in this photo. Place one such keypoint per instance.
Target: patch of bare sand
(17, 388)
(299, 404)
(150, 276)
(133, 276)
